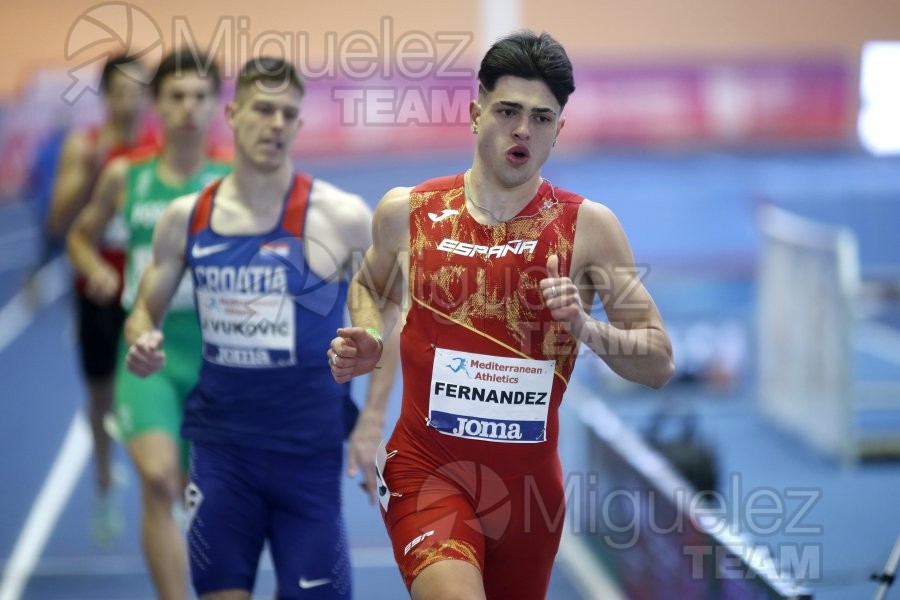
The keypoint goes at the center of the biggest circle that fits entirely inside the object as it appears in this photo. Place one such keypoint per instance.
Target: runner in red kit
(498, 265)
(100, 317)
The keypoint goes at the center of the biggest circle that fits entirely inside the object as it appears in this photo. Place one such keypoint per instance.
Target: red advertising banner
(734, 104)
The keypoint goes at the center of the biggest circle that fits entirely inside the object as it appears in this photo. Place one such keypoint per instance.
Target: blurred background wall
(34, 32)
(650, 73)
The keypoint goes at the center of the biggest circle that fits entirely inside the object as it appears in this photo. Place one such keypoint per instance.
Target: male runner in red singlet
(498, 266)
(99, 320)
(138, 190)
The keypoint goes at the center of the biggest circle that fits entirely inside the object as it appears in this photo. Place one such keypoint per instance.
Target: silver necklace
(548, 202)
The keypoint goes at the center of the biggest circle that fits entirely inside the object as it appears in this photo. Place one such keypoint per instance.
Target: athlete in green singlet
(157, 403)
(186, 96)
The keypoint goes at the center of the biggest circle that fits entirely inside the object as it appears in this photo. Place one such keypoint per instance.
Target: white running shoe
(107, 522)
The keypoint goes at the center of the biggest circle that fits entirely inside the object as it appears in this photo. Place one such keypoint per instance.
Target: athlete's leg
(438, 539)
(149, 412)
(306, 532)
(227, 519)
(155, 455)
(227, 595)
(519, 563)
(520, 534)
(100, 403)
(448, 580)
(99, 327)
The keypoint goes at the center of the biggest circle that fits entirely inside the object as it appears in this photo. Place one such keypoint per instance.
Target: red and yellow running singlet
(484, 363)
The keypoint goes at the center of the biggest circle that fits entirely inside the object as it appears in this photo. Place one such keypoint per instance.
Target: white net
(808, 282)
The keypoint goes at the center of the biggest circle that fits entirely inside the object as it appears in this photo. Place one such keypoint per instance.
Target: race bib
(491, 398)
(247, 329)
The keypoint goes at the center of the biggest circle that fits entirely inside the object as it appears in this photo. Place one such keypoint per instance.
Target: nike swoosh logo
(306, 584)
(199, 252)
(447, 212)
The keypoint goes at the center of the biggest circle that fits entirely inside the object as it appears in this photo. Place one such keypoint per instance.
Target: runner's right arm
(377, 286)
(83, 240)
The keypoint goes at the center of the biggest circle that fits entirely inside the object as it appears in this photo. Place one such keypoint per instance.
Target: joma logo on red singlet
(464, 249)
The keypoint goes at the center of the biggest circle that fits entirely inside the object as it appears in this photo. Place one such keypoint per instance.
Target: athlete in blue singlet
(264, 399)
(270, 252)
